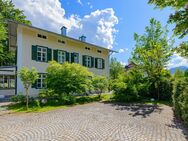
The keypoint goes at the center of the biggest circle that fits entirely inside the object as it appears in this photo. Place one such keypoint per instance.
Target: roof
(30, 26)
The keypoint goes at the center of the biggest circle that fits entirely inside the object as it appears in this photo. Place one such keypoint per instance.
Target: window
(61, 41)
(88, 61)
(61, 56)
(7, 81)
(74, 57)
(87, 48)
(99, 63)
(99, 51)
(42, 54)
(42, 36)
(41, 81)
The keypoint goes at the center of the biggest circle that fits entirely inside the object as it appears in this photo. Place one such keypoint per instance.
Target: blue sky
(109, 23)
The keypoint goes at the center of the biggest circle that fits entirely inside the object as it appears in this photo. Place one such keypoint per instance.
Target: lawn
(14, 108)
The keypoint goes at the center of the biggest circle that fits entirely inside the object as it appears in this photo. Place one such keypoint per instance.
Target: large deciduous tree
(8, 11)
(115, 68)
(152, 52)
(179, 18)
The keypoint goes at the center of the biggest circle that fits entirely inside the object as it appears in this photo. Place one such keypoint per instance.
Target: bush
(100, 84)
(19, 99)
(180, 98)
(67, 99)
(68, 78)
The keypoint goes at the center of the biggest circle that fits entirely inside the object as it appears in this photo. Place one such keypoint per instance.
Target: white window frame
(99, 63)
(76, 58)
(61, 55)
(88, 61)
(42, 54)
(41, 81)
(10, 82)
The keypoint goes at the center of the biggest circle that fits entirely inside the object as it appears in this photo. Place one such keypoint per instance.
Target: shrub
(100, 84)
(67, 99)
(68, 78)
(19, 99)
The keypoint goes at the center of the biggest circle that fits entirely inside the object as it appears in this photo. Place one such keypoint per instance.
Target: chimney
(64, 31)
(82, 38)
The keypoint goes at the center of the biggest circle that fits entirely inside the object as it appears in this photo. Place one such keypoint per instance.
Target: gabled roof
(30, 26)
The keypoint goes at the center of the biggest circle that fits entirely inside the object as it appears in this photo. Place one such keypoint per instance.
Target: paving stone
(95, 122)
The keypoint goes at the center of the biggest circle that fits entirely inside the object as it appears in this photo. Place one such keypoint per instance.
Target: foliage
(179, 17)
(180, 97)
(178, 73)
(182, 49)
(115, 68)
(28, 77)
(68, 78)
(8, 11)
(152, 53)
(100, 84)
(18, 99)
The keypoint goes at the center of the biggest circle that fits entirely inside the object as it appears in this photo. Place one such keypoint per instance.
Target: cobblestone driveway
(94, 122)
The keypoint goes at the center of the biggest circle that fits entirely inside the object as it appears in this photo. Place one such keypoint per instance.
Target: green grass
(20, 108)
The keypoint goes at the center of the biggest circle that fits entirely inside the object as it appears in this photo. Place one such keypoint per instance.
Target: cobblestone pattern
(93, 122)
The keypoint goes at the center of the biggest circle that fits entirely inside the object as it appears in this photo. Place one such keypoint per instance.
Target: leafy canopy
(115, 68)
(8, 11)
(100, 83)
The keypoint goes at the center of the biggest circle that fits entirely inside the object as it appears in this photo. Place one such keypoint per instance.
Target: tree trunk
(27, 99)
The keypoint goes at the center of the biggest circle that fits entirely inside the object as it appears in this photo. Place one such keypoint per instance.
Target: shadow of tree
(137, 109)
(178, 124)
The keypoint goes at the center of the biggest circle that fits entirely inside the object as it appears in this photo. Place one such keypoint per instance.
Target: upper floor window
(61, 56)
(74, 57)
(88, 61)
(42, 36)
(42, 54)
(99, 63)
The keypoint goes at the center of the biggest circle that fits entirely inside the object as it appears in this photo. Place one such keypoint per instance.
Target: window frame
(41, 52)
(9, 83)
(88, 61)
(99, 63)
(63, 54)
(42, 77)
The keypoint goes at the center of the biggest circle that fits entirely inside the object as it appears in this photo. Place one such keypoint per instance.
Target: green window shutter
(84, 60)
(103, 63)
(67, 56)
(49, 54)
(96, 62)
(72, 57)
(34, 52)
(55, 55)
(92, 62)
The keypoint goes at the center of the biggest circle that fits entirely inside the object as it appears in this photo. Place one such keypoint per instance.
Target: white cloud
(121, 50)
(177, 61)
(123, 63)
(98, 26)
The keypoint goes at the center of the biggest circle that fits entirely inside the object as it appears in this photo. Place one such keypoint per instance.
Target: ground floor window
(7, 81)
(41, 81)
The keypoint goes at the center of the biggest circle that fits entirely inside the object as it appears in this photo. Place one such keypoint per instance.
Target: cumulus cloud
(98, 26)
(177, 61)
(121, 50)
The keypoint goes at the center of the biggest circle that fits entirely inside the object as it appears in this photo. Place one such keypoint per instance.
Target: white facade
(28, 36)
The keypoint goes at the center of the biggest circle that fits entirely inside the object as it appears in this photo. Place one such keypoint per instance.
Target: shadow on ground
(178, 124)
(137, 109)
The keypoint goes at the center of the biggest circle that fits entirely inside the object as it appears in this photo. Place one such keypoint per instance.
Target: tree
(100, 84)
(152, 53)
(28, 77)
(178, 74)
(68, 78)
(180, 16)
(115, 68)
(8, 11)
(182, 49)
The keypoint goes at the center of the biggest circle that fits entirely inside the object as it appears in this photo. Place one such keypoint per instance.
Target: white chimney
(64, 31)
